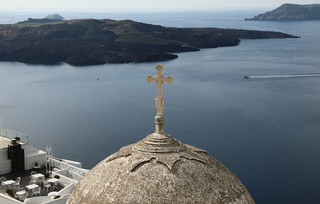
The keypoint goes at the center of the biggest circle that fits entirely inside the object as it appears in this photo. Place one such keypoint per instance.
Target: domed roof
(159, 169)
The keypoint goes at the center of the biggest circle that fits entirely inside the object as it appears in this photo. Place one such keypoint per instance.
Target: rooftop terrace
(25, 181)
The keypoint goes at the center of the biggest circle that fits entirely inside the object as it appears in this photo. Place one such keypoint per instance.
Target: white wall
(73, 163)
(64, 180)
(32, 155)
(8, 200)
(5, 167)
(3, 154)
(37, 200)
(5, 164)
(61, 200)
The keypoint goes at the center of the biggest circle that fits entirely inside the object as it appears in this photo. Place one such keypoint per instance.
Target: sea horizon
(11, 17)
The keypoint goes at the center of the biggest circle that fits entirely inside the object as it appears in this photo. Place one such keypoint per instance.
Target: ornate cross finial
(159, 79)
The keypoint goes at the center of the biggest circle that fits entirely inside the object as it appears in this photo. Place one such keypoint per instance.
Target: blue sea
(267, 131)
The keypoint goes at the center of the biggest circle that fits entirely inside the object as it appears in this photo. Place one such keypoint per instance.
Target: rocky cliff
(290, 12)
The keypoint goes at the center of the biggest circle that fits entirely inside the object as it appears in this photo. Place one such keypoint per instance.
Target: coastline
(84, 42)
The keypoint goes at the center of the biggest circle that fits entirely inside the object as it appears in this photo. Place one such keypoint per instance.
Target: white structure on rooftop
(31, 154)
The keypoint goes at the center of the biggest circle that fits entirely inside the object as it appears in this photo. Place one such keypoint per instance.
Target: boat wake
(281, 76)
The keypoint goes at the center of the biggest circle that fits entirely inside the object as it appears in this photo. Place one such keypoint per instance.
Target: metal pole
(1, 131)
(46, 159)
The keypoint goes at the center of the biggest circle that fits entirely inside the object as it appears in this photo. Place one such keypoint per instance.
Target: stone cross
(159, 79)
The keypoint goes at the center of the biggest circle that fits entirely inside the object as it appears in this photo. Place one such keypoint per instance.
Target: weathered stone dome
(159, 169)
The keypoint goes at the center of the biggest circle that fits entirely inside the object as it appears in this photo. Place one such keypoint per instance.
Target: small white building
(69, 172)
(32, 155)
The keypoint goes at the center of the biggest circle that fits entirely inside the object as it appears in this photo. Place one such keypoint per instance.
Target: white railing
(63, 165)
(12, 134)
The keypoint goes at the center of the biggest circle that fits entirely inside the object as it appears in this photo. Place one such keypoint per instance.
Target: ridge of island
(85, 42)
(290, 12)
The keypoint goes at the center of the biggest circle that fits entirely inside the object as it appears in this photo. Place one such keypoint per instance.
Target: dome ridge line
(123, 152)
(168, 160)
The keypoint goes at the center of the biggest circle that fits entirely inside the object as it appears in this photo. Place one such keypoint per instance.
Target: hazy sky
(114, 5)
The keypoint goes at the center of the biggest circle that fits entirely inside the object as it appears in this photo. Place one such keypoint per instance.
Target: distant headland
(290, 12)
(48, 19)
(92, 42)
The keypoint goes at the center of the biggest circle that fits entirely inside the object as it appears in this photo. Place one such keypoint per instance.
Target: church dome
(160, 169)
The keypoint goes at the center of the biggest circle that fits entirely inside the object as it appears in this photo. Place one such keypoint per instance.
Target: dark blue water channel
(267, 131)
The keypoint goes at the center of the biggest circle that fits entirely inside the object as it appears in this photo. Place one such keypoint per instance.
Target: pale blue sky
(134, 5)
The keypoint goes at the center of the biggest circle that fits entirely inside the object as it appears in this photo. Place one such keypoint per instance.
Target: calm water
(267, 131)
